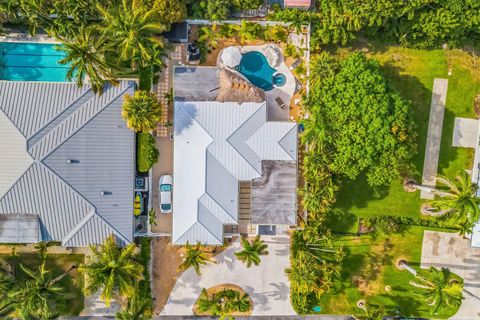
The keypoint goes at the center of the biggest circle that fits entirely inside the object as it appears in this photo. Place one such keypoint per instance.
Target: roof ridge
(280, 142)
(234, 134)
(70, 105)
(78, 226)
(76, 130)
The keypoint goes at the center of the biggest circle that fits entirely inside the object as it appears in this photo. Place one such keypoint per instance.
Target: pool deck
(25, 37)
(285, 92)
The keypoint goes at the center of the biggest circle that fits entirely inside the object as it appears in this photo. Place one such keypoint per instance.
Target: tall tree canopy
(414, 23)
(366, 127)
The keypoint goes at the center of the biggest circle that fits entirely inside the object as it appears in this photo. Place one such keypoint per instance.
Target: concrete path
(441, 249)
(465, 133)
(266, 283)
(434, 136)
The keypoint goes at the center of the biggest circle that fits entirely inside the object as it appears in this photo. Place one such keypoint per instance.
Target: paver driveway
(266, 283)
(441, 249)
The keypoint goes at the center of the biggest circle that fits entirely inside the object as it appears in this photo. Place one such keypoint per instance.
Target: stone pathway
(434, 136)
(165, 85)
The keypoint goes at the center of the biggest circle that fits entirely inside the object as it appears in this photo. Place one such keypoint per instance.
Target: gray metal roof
(97, 184)
(19, 228)
(273, 195)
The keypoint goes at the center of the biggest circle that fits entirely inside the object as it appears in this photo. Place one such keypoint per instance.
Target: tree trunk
(60, 277)
(405, 266)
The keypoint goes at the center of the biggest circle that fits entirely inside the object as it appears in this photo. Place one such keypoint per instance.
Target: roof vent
(73, 161)
(106, 193)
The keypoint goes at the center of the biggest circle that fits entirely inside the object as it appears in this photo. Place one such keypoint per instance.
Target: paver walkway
(465, 133)
(450, 250)
(165, 85)
(434, 136)
(266, 283)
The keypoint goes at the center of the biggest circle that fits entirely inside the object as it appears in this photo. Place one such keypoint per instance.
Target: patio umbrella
(231, 56)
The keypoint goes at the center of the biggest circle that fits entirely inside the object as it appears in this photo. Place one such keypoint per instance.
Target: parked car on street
(165, 190)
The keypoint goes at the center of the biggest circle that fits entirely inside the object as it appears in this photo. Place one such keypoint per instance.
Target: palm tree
(112, 270)
(42, 247)
(240, 301)
(440, 288)
(134, 30)
(209, 35)
(194, 257)
(252, 251)
(86, 56)
(372, 312)
(137, 309)
(38, 295)
(459, 201)
(141, 111)
(304, 276)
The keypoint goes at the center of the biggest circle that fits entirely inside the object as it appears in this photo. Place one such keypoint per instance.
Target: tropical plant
(247, 4)
(223, 303)
(112, 270)
(372, 311)
(276, 33)
(42, 248)
(170, 11)
(460, 202)
(356, 98)
(137, 309)
(86, 57)
(38, 295)
(195, 256)
(134, 31)
(439, 288)
(304, 276)
(142, 111)
(249, 31)
(208, 35)
(147, 153)
(252, 251)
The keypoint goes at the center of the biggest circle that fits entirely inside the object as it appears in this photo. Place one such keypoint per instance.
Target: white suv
(165, 189)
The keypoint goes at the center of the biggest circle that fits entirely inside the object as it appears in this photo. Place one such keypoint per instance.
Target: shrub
(142, 111)
(145, 77)
(147, 153)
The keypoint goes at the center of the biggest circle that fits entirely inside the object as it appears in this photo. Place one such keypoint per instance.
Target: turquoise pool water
(26, 61)
(255, 67)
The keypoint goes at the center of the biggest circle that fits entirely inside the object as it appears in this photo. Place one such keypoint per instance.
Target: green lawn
(72, 305)
(369, 266)
(411, 73)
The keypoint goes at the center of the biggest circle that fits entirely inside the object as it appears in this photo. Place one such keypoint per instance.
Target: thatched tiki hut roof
(233, 88)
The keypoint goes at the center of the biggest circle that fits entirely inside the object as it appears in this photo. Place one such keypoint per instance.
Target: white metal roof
(216, 145)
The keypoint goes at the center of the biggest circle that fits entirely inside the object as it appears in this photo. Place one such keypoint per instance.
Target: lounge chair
(280, 102)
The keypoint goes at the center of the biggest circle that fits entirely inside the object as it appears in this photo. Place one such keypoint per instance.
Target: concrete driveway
(266, 283)
(441, 249)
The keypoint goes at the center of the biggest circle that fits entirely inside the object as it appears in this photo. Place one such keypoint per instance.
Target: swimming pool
(255, 67)
(26, 61)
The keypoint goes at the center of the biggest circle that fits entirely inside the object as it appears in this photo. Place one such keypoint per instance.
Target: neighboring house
(218, 146)
(66, 164)
(299, 4)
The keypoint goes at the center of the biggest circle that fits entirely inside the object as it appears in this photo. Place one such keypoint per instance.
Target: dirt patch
(165, 261)
(216, 289)
(166, 258)
(370, 282)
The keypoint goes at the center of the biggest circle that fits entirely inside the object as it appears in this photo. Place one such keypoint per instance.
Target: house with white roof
(220, 148)
(67, 164)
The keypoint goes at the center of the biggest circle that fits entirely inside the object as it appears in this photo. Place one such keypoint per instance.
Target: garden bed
(218, 290)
